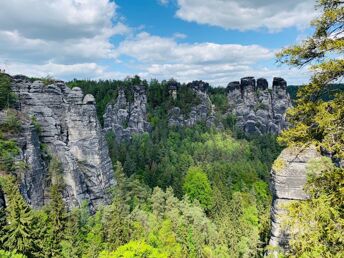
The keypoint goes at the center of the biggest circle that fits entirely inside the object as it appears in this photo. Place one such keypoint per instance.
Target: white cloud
(58, 31)
(180, 35)
(163, 58)
(72, 38)
(153, 49)
(65, 71)
(57, 19)
(248, 14)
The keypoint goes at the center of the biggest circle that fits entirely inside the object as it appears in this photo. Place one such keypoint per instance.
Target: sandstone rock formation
(70, 130)
(257, 109)
(288, 176)
(202, 112)
(125, 118)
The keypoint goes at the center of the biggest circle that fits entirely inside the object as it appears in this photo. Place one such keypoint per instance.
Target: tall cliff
(256, 108)
(288, 177)
(69, 129)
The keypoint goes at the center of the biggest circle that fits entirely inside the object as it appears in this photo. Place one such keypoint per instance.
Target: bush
(11, 122)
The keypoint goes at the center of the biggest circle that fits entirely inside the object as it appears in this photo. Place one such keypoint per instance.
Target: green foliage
(328, 94)
(218, 97)
(320, 218)
(116, 215)
(5, 254)
(18, 232)
(7, 97)
(316, 225)
(47, 80)
(197, 186)
(181, 192)
(134, 249)
(8, 151)
(36, 124)
(11, 123)
(313, 120)
(105, 91)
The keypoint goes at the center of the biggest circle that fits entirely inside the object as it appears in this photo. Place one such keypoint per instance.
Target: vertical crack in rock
(70, 129)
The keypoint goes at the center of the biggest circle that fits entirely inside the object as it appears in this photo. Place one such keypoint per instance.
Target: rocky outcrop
(257, 109)
(203, 112)
(70, 131)
(288, 177)
(126, 118)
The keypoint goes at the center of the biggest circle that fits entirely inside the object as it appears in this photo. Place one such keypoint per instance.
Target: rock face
(125, 118)
(257, 109)
(203, 112)
(288, 175)
(70, 130)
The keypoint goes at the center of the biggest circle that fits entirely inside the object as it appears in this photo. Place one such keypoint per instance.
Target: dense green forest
(181, 192)
(193, 192)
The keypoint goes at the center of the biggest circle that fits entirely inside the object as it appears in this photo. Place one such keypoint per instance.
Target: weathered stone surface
(288, 177)
(203, 112)
(72, 133)
(259, 111)
(34, 177)
(125, 118)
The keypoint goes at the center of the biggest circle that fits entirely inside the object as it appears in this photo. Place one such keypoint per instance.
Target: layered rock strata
(70, 131)
(288, 177)
(257, 109)
(125, 118)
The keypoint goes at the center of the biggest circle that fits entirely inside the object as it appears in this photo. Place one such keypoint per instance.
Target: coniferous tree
(116, 215)
(317, 224)
(56, 212)
(18, 232)
(57, 221)
(313, 120)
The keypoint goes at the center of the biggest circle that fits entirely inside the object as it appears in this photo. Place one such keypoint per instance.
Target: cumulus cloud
(248, 14)
(154, 49)
(73, 38)
(163, 58)
(57, 19)
(70, 32)
(66, 71)
(158, 57)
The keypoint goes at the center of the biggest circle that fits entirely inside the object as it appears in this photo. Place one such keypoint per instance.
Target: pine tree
(56, 211)
(312, 120)
(316, 225)
(57, 220)
(116, 215)
(18, 231)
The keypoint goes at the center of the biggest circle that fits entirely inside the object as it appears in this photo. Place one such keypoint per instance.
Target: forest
(192, 191)
(181, 192)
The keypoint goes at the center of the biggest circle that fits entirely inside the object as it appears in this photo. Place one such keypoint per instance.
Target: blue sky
(217, 41)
